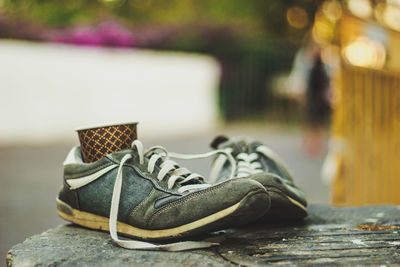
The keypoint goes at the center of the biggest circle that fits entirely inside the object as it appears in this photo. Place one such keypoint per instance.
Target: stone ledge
(327, 236)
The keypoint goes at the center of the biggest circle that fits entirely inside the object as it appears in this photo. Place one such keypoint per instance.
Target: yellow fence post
(367, 117)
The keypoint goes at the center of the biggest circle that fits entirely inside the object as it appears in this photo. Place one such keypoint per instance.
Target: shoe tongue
(237, 146)
(252, 147)
(218, 141)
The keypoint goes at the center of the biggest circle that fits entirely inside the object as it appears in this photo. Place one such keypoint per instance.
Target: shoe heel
(84, 219)
(63, 209)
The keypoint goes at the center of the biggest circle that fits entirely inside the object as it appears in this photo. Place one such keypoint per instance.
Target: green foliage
(251, 16)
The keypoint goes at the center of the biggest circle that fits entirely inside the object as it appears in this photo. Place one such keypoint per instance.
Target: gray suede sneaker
(147, 196)
(258, 162)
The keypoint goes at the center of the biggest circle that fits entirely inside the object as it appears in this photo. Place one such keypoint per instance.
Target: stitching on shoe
(141, 203)
(184, 199)
(75, 192)
(179, 202)
(189, 197)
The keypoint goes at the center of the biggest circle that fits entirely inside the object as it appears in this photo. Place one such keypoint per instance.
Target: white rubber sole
(97, 222)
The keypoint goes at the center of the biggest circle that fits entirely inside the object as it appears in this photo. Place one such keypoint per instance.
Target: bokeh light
(322, 31)
(297, 17)
(391, 17)
(332, 9)
(360, 8)
(364, 52)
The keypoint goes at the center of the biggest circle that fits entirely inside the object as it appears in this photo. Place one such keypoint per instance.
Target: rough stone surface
(328, 236)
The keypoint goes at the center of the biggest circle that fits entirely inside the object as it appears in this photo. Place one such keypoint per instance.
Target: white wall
(47, 90)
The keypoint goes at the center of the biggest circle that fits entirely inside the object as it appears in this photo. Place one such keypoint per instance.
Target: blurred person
(309, 84)
(317, 106)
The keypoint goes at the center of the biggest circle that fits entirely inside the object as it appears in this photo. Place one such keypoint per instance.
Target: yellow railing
(366, 127)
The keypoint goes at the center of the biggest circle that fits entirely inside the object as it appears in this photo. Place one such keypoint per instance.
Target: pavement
(30, 176)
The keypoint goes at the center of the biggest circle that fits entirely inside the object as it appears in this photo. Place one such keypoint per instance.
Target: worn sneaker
(258, 162)
(147, 196)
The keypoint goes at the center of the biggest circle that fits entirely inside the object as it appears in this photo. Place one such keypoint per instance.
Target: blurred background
(290, 73)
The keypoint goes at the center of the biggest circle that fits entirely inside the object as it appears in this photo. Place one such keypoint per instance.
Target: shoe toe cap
(239, 196)
(273, 182)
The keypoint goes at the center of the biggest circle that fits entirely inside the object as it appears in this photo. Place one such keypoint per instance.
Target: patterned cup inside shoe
(96, 142)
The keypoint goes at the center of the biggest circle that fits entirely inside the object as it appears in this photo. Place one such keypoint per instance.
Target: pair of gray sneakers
(145, 195)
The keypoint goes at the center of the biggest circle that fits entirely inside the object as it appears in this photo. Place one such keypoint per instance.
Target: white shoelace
(176, 177)
(247, 164)
(226, 154)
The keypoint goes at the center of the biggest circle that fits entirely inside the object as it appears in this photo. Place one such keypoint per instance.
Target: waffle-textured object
(96, 142)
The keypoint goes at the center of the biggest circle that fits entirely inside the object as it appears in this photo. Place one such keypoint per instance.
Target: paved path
(31, 177)
(328, 236)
